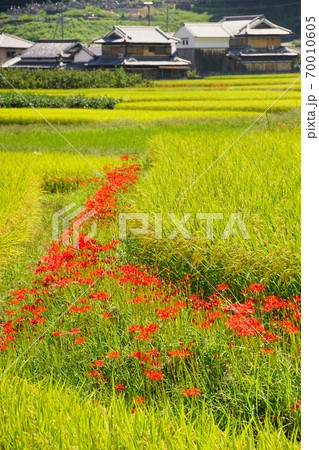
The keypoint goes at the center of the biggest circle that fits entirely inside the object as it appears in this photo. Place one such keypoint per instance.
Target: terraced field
(181, 336)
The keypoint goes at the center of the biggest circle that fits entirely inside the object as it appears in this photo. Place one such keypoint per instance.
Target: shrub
(66, 79)
(15, 100)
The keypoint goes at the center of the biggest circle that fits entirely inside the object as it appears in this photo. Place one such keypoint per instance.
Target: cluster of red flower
(267, 318)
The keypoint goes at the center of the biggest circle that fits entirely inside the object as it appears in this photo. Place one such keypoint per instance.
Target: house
(10, 46)
(236, 44)
(144, 50)
(50, 54)
(205, 45)
(256, 45)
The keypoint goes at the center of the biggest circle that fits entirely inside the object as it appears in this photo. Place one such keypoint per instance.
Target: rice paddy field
(185, 331)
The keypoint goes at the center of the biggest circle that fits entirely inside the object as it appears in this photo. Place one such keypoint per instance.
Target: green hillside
(77, 25)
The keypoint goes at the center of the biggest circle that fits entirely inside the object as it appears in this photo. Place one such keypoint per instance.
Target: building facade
(51, 54)
(10, 46)
(142, 50)
(236, 44)
(205, 45)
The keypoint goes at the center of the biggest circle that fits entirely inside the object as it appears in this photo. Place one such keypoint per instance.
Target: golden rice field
(153, 341)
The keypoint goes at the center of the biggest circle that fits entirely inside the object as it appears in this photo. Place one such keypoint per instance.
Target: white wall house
(204, 44)
(203, 35)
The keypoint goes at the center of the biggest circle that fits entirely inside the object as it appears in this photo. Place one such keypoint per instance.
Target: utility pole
(148, 4)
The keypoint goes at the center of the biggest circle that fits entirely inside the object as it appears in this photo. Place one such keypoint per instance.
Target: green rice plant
(76, 116)
(19, 210)
(258, 105)
(21, 190)
(39, 415)
(261, 161)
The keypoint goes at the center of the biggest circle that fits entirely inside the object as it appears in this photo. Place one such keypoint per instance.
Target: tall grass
(42, 415)
(21, 189)
(264, 161)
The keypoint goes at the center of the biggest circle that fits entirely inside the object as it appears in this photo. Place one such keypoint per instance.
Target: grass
(231, 185)
(249, 387)
(26, 183)
(52, 415)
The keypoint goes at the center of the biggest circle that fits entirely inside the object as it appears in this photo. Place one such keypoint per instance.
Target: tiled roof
(136, 35)
(50, 49)
(9, 41)
(208, 29)
(254, 53)
(243, 25)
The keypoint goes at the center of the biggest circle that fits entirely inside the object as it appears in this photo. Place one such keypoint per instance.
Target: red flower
(256, 287)
(120, 387)
(289, 327)
(139, 400)
(191, 392)
(222, 287)
(56, 333)
(154, 375)
(267, 350)
(113, 355)
(181, 353)
(98, 363)
(75, 331)
(79, 340)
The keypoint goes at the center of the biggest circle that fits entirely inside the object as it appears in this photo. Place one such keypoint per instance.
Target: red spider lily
(273, 302)
(145, 332)
(245, 326)
(57, 333)
(37, 320)
(167, 313)
(93, 373)
(267, 350)
(270, 337)
(125, 157)
(256, 287)
(120, 387)
(178, 304)
(100, 296)
(191, 392)
(80, 309)
(75, 331)
(139, 400)
(140, 355)
(138, 300)
(181, 353)
(147, 356)
(98, 363)
(214, 315)
(289, 327)
(241, 308)
(154, 375)
(113, 355)
(79, 340)
(205, 325)
(222, 287)
(106, 315)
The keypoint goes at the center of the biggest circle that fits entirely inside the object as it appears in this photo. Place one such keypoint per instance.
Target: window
(151, 49)
(10, 53)
(185, 41)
